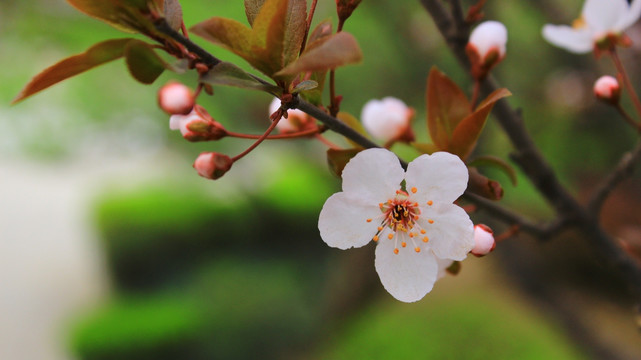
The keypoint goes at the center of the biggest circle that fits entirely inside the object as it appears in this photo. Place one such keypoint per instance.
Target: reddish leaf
(173, 14)
(334, 51)
(323, 29)
(96, 55)
(228, 74)
(337, 159)
(252, 8)
(497, 163)
(424, 148)
(352, 122)
(227, 33)
(143, 63)
(447, 105)
(469, 129)
(125, 15)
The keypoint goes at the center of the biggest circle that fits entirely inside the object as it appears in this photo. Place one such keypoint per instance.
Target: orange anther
(417, 249)
(390, 236)
(369, 220)
(414, 190)
(412, 234)
(430, 221)
(375, 238)
(396, 251)
(423, 231)
(430, 203)
(380, 228)
(403, 244)
(426, 239)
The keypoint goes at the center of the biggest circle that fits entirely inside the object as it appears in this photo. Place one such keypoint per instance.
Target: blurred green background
(187, 268)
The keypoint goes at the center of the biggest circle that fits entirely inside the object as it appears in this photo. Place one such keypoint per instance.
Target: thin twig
(626, 80)
(624, 169)
(206, 57)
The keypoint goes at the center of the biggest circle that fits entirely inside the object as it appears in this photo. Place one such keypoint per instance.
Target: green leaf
(143, 62)
(305, 86)
(334, 51)
(425, 148)
(96, 55)
(497, 163)
(228, 74)
(352, 122)
(337, 159)
(447, 105)
(173, 14)
(252, 8)
(469, 129)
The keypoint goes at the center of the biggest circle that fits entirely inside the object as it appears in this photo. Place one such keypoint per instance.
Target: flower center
(579, 23)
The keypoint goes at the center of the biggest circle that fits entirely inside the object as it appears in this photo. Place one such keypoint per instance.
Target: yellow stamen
(414, 190)
(375, 238)
(380, 228)
(369, 220)
(430, 221)
(425, 239)
(403, 244)
(423, 231)
(417, 249)
(412, 234)
(430, 203)
(396, 251)
(390, 236)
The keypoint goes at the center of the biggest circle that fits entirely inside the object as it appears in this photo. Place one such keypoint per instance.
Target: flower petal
(440, 177)
(373, 175)
(578, 41)
(631, 16)
(343, 221)
(602, 15)
(451, 235)
(408, 276)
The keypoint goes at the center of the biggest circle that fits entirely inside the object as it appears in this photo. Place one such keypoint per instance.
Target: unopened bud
(388, 119)
(212, 165)
(483, 240)
(198, 125)
(607, 89)
(296, 120)
(175, 98)
(344, 8)
(486, 47)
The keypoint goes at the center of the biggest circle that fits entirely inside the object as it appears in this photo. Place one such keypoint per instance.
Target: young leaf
(447, 105)
(337, 159)
(125, 15)
(425, 148)
(228, 74)
(227, 33)
(252, 8)
(173, 14)
(143, 63)
(497, 163)
(352, 122)
(305, 86)
(323, 29)
(469, 129)
(336, 50)
(96, 55)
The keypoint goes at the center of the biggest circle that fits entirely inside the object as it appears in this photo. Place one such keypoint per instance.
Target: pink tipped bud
(198, 125)
(486, 47)
(212, 165)
(388, 119)
(607, 89)
(175, 98)
(483, 240)
(296, 120)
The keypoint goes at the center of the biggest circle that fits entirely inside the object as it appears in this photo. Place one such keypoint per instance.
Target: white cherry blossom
(599, 19)
(386, 119)
(410, 215)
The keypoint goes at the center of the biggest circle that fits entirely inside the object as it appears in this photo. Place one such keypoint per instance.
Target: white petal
(489, 35)
(274, 105)
(578, 41)
(440, 177)
(602, 15)
(408, 276)
(373, 175)
(343, 221)
(631, 16)
(451, 236)
(385, 119)
(175, 121)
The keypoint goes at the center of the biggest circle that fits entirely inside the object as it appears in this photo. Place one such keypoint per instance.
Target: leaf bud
(607, 89)
(198, 125)
(483, 240)
(175, 98)
(212, 165)
(388, 119)
(486, 47)
(344, 8)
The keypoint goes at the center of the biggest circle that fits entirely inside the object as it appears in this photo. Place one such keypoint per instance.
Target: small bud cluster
(198, 125)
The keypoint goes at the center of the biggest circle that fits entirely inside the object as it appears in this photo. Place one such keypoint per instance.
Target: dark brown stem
(475, 94)
(207, 58)
(626, 80)
(624, 169)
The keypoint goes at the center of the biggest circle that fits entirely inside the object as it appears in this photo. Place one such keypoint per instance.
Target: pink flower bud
(175, 98)
(212, 165)
(198, 125)
(486, 47)
(296, 121)
(607, 88)
(483, 240)
(388, 119)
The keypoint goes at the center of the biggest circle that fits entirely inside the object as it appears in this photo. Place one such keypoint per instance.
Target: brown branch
(624, 169)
